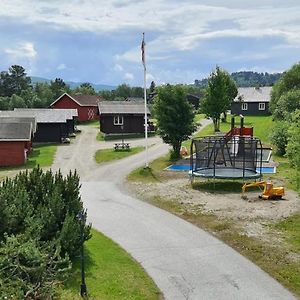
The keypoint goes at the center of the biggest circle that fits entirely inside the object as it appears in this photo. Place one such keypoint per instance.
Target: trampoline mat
(225, 173)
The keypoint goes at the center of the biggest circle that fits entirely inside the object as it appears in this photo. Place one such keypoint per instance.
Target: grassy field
(106, 155)
(111, 273)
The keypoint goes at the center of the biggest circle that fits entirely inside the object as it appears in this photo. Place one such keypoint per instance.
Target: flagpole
(145, 101)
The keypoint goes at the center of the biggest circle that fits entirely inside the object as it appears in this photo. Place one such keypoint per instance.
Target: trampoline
(226, 173)
(228, 157)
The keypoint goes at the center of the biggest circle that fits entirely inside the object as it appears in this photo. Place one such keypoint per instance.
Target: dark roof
(254, 94)
(42, 116)
(82, 100)
(8, 119)
(15, 132)
(122, 107)
(69, 112)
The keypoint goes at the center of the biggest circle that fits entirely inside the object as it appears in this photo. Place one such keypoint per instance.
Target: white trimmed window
(261, 106)
(118, 120)
(244, 106)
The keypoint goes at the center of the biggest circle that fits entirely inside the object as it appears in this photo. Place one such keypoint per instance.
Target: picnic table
(122, 146)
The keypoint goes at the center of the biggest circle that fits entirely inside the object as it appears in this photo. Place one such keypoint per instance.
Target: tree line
(285, 108)
(17, 90)
(248, 79)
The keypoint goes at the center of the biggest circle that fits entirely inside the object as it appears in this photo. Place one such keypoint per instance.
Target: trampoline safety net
(226, 157)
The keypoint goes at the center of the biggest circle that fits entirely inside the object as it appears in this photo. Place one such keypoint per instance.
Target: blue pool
(264, 170)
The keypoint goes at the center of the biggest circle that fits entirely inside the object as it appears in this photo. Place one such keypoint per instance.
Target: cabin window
(118, 120)
(244, 106)
(261, 106)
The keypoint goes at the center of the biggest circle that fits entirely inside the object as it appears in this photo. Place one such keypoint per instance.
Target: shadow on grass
(74, 280)
(218, 186)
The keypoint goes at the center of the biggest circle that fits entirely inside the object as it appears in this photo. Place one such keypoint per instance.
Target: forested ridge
(248, 78)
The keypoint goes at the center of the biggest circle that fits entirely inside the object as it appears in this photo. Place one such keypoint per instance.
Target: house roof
(41, 116)
(82, 100)
(8, 119)
(253, 94)
(15, 131)
(69, 112)
(122, 107)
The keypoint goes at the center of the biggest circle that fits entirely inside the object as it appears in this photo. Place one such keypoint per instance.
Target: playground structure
(235, 155)
(269, 191)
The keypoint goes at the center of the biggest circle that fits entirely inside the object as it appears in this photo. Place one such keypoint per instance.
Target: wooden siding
(131, 124)
(236, 109)
(12, 153)
(50, 132)
(85, 113)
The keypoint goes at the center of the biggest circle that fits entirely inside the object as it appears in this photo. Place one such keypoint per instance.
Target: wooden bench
(122, 146)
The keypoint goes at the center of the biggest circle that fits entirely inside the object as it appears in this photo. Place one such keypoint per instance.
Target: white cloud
(118, 68)
(128, 76)
(61, 67)
(22, 50)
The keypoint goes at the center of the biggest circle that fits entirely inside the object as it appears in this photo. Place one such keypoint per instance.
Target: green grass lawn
(91, 123)
(42, 155)
(111, 273)
(100, 137)
(106, 155)
(152, 173)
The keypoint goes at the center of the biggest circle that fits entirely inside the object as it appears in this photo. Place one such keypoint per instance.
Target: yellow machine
(269, 191)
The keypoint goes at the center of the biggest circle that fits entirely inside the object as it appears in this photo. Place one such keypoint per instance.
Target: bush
(39, 231)
(279, 137)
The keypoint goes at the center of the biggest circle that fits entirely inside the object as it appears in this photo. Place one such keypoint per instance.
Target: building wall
(12, 153)
(50, 132)
(85, 113)
(131, 124)
(236, 109)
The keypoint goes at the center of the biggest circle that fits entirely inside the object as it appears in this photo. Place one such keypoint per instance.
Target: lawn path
(183, 260)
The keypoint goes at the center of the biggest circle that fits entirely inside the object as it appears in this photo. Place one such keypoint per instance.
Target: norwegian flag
(143, 51)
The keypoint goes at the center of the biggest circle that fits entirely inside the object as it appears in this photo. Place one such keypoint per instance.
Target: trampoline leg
(191, 179)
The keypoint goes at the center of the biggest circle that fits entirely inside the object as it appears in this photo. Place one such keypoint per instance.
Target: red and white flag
(143, 51)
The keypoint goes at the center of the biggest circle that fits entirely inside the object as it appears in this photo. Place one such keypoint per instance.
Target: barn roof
(42, 116)
(82, 100)
(69, 112)
(254, 94)
(9, 119)
(15, 131)
(121, 107)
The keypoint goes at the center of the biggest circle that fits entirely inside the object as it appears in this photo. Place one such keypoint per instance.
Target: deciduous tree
(175, 116)
(219, 94)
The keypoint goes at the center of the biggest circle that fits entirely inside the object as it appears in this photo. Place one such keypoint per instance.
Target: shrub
(279, 137)
(39, 231)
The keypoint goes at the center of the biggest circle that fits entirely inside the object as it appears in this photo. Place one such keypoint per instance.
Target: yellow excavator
(269, 192)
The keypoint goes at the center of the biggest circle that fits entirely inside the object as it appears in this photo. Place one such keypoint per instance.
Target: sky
(100, 41)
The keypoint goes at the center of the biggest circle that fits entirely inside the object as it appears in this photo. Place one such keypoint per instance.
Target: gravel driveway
(183, 260)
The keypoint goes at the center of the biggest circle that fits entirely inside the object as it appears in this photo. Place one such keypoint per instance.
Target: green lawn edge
(111, 273)
(107, 155)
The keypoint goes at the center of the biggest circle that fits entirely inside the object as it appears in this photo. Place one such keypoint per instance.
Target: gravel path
(183, 260)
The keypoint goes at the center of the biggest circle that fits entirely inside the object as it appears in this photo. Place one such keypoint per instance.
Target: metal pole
(83, 289)
(145, 100)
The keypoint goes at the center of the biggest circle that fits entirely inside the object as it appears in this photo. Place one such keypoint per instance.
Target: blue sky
(99, 41)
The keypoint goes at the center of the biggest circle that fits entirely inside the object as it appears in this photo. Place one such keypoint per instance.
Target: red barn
(14, 141)
(86, 105)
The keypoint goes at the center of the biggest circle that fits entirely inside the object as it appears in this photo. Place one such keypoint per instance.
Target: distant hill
(73, 85)
(248, 78)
